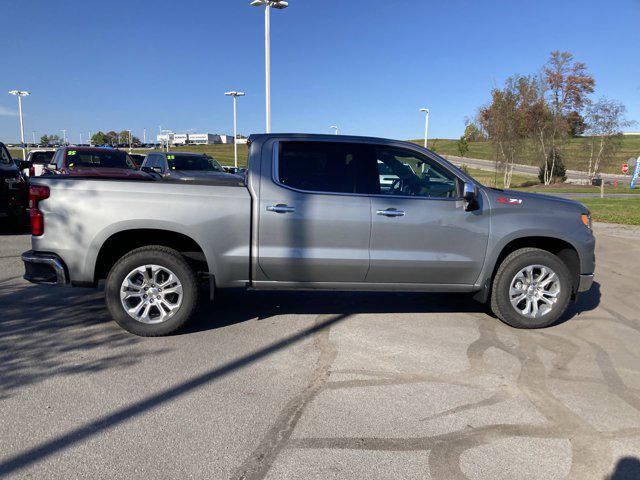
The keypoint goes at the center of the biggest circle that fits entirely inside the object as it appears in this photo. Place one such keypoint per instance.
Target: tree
(100, 138)
(472, 132)
(568, 86)
(463, 146)
(554, 168)
(503, 120)
(44, 140)
(576, 124)
(605, 122)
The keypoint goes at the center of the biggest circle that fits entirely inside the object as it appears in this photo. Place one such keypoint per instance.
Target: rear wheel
(531, 289)
(151, 291)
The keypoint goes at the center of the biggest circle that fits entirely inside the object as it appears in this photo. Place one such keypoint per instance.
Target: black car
(182, 165)
(13, 187)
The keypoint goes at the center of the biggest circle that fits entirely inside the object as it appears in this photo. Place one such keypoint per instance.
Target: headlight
(586, 219)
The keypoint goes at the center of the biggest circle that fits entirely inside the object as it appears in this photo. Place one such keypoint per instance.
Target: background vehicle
(312, 214)
(93, 162)
(13, 187)
(181, 165)
(37, 160)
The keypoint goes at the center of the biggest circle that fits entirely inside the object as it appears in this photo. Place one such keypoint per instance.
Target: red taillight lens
(37, 193)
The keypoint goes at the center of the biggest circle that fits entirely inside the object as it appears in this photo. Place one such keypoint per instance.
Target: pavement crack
(277, 437)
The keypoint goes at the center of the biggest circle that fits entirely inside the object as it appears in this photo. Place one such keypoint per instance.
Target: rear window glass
(99, 159)
(321, 166)
(193, 162)
(41, 158)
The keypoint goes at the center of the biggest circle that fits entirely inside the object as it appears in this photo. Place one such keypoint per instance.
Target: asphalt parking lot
(322, 385)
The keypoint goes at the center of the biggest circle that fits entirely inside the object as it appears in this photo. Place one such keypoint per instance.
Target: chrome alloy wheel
(534, 291)
(151, 294)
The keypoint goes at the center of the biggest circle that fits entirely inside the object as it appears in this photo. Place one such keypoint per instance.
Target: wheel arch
(123, 241)
(560, 247)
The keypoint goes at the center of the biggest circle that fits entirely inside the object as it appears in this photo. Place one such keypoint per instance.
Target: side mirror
(158, 170)
(50, 166)
(470, 196)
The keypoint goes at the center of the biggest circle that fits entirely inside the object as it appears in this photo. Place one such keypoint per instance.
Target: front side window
(321, 166)
(41, 158)
(406, 173)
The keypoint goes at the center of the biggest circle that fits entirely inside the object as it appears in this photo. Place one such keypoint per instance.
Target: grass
(614, 210)
(575, 155)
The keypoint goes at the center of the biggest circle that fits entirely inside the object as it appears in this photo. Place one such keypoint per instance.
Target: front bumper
(45, 268)
(586, 280)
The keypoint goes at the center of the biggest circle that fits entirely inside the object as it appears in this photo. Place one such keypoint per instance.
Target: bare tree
(605, 121)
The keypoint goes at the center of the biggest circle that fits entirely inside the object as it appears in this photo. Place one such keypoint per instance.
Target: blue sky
(365, 66)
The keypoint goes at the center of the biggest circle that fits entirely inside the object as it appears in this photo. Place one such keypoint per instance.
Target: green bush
(559, 173)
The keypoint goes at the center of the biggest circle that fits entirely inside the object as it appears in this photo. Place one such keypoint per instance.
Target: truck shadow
(235, 306)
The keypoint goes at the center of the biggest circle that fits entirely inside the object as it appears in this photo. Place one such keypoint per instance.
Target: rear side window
(99, 159)
(321, 166)
(41, 158)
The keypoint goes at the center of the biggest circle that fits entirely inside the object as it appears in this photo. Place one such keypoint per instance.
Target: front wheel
(151, 291)
(531, 289)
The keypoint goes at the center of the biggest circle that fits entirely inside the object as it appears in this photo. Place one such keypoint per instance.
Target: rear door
(420, 231)
(314, 216)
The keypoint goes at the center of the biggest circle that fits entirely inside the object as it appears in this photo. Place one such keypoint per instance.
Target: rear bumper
(45, 268)
(586, 280)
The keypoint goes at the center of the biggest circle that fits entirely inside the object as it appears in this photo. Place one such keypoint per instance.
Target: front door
(314, 222)
(420, 231)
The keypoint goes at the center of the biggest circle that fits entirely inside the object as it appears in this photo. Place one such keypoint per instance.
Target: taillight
(37, 193)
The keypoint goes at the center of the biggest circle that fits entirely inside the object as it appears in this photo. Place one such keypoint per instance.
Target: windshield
(99, 159)
(193, 162)
(41, 158)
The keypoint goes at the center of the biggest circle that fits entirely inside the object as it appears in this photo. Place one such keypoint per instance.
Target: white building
(181, 138)
(204, 138)
(164, 138)
(226, 138)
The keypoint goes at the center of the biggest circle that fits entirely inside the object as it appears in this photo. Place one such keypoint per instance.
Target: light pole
(89, 138)
(33, 138)
(426, 125)
(129, 140)
(80, 138)
(20, 94)
(279, 4)
(64, 136)
(235, 96)
(144, 136)
(335, 127)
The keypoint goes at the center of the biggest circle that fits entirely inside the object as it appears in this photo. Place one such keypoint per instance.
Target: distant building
(180, 138)
(630, 133)
(165, 138)
(226, 138)
(204, 138)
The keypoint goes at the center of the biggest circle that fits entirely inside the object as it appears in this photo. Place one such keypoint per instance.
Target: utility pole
(20, 94)
(426, 125)
(235, 96)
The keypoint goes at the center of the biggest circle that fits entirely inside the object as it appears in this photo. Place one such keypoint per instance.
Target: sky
(367, 67)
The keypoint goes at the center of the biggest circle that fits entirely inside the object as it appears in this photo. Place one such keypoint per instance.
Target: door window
(405, 173)
(325, 167)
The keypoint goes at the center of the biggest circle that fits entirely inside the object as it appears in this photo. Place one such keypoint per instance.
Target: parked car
(13, 187)
(234, 170)
(181, 165)
(93, 162)
(311, 214)
(37, 160)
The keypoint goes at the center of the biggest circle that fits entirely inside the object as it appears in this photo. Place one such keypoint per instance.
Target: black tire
(152, 255)
(510, 266)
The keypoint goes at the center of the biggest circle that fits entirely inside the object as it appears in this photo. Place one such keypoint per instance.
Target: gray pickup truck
(311, 213)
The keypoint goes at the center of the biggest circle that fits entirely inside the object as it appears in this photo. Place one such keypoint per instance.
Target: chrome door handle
(391, 212)
(280, 208)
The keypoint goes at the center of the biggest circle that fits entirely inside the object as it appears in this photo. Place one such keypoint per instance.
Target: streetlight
(278, 4)
(129, 140)
(64, 136)
(426, 125)
(235, 96)
(335, 127)
(80, 138)
(20, 94)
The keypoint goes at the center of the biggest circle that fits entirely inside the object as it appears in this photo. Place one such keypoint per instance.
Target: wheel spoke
(538, 287)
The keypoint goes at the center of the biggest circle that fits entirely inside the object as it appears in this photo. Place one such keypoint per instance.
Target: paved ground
(322, 385)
